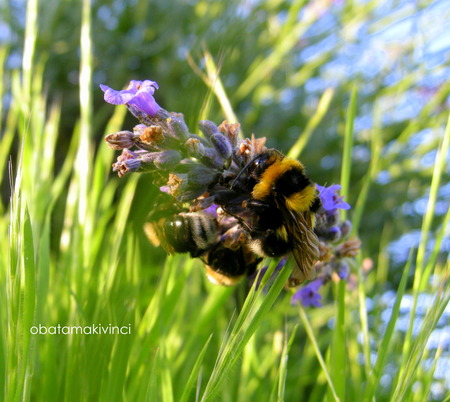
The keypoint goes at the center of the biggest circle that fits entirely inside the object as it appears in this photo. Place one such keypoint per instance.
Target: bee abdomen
(188, 232)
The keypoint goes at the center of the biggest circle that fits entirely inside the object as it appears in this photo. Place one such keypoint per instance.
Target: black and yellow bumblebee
(270, 207)
(197, 233)
(276, 202)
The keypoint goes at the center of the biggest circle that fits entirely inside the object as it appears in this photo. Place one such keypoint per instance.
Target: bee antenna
(243, 170)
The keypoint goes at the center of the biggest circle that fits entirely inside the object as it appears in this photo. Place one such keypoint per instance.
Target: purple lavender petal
(116, 97)
(330, 200)
(138, 95)
(145, 102)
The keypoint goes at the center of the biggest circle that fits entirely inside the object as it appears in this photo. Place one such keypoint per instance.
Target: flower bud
(127, 161)
(195, 147)
(167, 159)
(222, 145)
(212, 159)
(346, 228)
(334, 233)
(332, 217)
(201, 176)
(178, 127)
(147, 160)
(208, 128)
(120, 140)
(181, 188)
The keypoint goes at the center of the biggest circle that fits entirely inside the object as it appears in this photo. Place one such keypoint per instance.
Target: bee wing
(305, 244)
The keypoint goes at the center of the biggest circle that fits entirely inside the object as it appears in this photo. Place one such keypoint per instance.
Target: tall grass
(72, 257)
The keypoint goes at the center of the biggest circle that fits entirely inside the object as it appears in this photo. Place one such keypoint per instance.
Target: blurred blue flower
(308, 295)
(138, 95)
(330, 200)
(343, 270)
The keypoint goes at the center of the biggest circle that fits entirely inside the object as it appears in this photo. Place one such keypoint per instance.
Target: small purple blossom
(138, 95)
(330, 200)
(308, 295)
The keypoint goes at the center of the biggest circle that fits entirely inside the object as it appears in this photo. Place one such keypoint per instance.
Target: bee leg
(241, 221)
(257, 205)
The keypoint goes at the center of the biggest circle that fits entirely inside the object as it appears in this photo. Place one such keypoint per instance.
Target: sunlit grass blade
(279, 387)
(193, 377)
(29, 50)
(374, 167)
(421, 277)
(385, 346)
(314, 121)
(407, 375)
(338, 355)
(26, 311)
(439, 168)
(6, 141)
(440, 236)
(239, 337)
(428, 374)
(83, 171)
(217, 88)
(363, 316)
(323, 365)
(348, 147)
(213, 81)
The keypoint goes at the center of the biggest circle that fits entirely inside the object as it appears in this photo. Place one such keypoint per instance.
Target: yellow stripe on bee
(282, 234)
(302, 200)
(264, 187)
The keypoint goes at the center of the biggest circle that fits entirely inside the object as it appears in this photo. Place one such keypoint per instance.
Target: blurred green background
(288, 69)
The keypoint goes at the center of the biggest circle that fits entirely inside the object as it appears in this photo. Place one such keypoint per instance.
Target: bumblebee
(276, 202)
(224, 250)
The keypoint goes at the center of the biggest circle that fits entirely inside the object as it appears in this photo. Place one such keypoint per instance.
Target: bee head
(256, 167)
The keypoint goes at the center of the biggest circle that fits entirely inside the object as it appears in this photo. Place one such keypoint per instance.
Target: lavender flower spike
(138, 95)
(330, 200)
(308, 295)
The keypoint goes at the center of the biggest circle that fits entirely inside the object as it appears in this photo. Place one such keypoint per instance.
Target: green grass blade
(29, 50)
(315, 344)
(348, 147)
(385, 346)
(418, 347)
(280, 385)
(338, 354)
(238, 338)
(363, 317)
(420, 276)
(218, 89)
(195, 372)
(439, 168)
(314, 121)
(26, 359)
